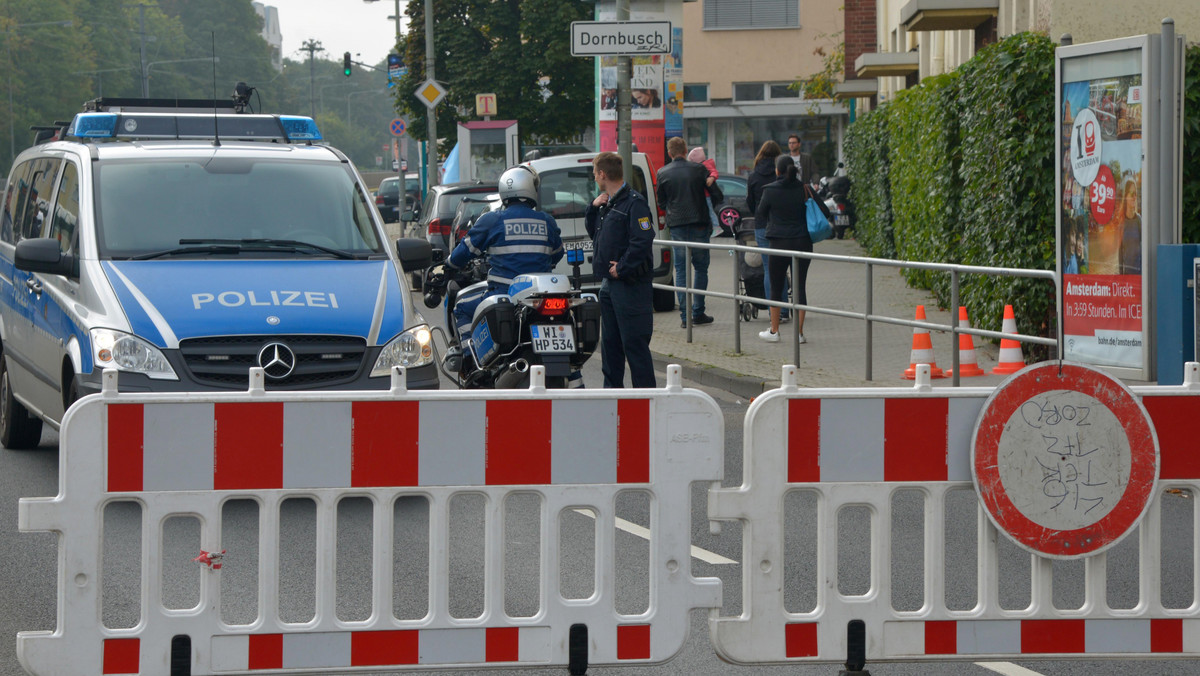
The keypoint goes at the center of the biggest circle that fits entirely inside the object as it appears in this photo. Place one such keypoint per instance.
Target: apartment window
(783, 91)
(695, 93)
(726, 14)
(749, 91)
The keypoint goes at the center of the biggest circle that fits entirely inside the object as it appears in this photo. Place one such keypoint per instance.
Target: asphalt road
(28, 563)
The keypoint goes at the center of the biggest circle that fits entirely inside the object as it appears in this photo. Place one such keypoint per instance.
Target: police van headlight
(126, 352)
(410, 349)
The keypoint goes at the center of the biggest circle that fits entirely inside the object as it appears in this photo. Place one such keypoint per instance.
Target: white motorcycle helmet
(519, 183)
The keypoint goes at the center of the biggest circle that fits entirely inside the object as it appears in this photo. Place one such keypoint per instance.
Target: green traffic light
(346, 64)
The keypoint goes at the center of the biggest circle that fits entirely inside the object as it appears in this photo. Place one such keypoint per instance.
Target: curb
(747, 387)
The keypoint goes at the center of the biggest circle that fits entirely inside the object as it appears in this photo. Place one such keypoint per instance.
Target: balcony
(855, 89)
(947, 15)
(887, 64)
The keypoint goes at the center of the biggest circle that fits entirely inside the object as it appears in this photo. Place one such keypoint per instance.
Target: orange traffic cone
(967, 364)
(922, 351)
(1011, 359)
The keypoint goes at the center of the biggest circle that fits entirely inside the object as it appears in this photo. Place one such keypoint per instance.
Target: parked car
(387, 196)
(437, 214)
(568, 187)
(733, 210)
(468, 211)
(181, 265)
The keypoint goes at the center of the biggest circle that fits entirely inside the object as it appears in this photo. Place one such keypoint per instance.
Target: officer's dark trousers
(626, 324)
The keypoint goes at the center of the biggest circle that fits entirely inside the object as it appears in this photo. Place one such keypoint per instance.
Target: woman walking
(782, 212)
(762, 175)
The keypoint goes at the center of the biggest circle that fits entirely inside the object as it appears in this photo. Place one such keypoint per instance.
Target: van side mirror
(415, 254)
(42, 254)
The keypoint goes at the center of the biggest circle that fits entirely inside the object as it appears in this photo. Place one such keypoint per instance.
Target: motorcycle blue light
(93, 125)
(575, 256)
(300, 128)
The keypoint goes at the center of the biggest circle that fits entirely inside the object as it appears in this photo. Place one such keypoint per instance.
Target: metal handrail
(868, 316)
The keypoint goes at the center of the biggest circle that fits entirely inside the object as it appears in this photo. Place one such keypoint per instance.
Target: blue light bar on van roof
(93, 125)
(300, 128)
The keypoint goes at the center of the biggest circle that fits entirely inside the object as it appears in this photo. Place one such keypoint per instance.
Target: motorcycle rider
(517, 239)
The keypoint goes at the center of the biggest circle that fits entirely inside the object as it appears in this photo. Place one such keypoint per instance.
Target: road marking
(1007, 669)
(644, 533)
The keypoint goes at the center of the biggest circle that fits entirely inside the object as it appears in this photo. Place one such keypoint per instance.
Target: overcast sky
(361, 28)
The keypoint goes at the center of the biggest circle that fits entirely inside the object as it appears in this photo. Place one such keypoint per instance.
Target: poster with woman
(1101, 219)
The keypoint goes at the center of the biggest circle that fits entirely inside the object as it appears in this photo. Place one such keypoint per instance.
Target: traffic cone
(1011, 359)
(967, 364)
(922, 351)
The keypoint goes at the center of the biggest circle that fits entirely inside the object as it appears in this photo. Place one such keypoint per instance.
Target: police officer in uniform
(622, 232)
(517, 240)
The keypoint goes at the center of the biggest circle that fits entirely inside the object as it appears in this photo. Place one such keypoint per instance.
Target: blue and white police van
(181, 247)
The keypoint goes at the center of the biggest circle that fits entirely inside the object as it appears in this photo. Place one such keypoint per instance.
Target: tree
(819, 85)
(517, 49)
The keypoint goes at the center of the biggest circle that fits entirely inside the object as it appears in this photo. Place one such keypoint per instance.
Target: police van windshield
(143, 207)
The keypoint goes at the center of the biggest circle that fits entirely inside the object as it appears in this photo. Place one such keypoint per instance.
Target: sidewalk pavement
(835, 353)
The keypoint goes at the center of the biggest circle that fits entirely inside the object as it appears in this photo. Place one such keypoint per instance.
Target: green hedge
(960, 169)
(1191, 146)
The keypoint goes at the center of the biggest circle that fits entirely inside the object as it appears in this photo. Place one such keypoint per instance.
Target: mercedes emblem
(277, 360)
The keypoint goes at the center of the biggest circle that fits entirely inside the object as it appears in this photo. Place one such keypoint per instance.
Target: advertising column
(1102, 228)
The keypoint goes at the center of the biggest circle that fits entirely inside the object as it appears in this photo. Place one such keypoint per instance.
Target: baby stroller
(750, 271)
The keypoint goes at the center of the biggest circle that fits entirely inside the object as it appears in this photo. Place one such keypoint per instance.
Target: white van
(146, 243)
(568, 187)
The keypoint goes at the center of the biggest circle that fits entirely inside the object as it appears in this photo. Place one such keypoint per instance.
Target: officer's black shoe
(701, 319)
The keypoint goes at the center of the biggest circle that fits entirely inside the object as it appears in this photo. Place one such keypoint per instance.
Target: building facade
(740, 59)
(914, 39)
(271, 32)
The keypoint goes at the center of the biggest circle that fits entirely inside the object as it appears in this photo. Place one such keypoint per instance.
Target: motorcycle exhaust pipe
(519, 366)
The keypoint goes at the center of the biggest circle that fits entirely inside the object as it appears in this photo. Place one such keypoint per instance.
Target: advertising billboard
(1104, 223)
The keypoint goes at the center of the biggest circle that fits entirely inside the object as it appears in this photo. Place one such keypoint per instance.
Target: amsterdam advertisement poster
(1101, 236)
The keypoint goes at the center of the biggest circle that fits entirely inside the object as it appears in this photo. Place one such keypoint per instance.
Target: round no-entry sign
(1065, 459)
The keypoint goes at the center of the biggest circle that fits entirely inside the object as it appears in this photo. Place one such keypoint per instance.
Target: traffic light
(346, 64)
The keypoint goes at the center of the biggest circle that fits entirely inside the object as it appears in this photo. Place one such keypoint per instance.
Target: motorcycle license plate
(553, 338)
(841, 220)
(582, 245)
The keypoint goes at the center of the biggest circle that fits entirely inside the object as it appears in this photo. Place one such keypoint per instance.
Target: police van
(182, 246)
(567, 188)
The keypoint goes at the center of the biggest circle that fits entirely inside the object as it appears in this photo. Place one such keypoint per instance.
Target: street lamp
(12, 136)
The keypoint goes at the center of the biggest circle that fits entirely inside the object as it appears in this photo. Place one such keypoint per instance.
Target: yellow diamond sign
(431, 93)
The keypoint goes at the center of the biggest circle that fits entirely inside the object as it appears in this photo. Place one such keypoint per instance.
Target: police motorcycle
(544, 319)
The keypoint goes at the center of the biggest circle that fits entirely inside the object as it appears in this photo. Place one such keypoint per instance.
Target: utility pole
(431, 147)
(311, 46)
(624, 116)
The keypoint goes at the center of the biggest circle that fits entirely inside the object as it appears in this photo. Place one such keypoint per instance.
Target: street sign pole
(431, 148)
(624, 116)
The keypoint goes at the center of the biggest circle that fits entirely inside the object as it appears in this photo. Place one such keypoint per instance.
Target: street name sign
(620, 38)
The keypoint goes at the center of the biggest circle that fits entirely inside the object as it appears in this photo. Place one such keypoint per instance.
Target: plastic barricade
(856, 449)
(189, 454)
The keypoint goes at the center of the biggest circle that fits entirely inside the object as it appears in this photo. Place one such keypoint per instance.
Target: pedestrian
(713, 194)
(782, 209)
(763, 174)
(805, 165)
(622, 232)
(681, 189)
